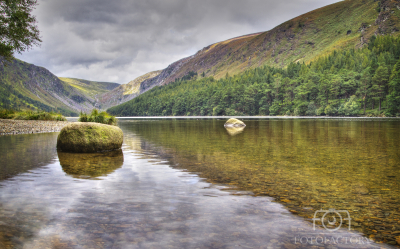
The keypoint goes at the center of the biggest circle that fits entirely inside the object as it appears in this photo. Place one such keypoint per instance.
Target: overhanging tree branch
(18, 27)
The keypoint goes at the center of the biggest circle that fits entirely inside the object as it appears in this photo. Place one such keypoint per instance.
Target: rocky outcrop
(89, 138)
(166, 76)
(126, 92)
(387, 21)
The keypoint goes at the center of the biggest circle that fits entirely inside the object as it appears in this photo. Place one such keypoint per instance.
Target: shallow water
(193, 184)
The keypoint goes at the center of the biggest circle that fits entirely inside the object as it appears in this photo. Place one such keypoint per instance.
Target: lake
(188, 183)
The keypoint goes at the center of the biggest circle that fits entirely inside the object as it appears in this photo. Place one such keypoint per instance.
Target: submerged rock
(233, 122)
(89, 137)
(233, 131)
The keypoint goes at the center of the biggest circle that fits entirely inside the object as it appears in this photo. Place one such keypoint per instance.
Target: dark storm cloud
(120, 40)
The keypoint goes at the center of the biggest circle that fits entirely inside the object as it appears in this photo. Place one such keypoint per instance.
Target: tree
(350, 108)
(394, 91)
(18, 30)
(311, 110)
(380, 81)
(365, 85)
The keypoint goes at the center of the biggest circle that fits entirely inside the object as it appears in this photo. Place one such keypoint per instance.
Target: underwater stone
(233, 122)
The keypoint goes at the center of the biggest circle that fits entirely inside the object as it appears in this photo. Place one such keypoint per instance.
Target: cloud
(120, 40)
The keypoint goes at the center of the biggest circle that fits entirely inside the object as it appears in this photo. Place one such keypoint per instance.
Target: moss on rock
(89, 137)
(233, 122)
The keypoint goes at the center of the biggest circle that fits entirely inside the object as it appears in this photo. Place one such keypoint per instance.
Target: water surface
(193, 184)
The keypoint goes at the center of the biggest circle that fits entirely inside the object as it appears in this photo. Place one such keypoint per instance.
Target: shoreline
(251, 117)
(17, 127)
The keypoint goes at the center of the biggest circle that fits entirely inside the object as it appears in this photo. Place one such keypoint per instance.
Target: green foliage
(332, 85)
(95, 116)
(7, 114)
(330, 111)
(18, 30)
(30, 115)
(350, 108)
(311, 109)
(190, 75)
(394, 92)
(320, 111)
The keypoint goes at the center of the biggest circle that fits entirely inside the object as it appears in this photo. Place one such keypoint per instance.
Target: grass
(30, 115)
(95, 116)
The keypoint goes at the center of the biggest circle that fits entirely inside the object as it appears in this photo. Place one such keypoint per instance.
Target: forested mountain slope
(347, 82)
(346, 24)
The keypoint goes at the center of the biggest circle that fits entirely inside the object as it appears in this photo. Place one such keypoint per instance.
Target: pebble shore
(15, 127)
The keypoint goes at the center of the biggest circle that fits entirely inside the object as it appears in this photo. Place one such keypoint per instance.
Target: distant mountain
(346, 24)
(26, 86)
(343, 25)
(93, 90)
(90, 88)
(125, 92)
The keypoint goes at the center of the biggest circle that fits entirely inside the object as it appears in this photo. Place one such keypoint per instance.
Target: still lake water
(185, 183)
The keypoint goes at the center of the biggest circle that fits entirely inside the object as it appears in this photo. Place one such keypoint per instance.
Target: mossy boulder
(89, 138)
(233, 122)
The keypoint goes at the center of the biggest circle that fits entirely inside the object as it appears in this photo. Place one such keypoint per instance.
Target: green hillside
(343, 25)
(347, 82)
(24, 86)
(90, 88)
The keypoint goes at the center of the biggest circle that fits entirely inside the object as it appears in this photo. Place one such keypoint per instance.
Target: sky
(119, 40)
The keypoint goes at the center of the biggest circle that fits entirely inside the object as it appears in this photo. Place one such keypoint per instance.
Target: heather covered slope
(26, 86)
(346, 24)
